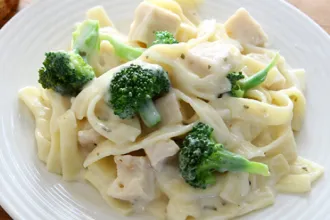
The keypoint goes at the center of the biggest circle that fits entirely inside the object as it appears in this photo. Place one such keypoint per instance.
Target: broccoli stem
(259, 77)
(122, 50)
(223, 160)
(149, 114)
(256, 168)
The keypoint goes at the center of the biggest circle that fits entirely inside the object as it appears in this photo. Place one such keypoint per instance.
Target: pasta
(136, 166)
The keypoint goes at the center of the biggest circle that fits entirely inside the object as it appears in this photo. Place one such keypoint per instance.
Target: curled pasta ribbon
(71, 158)
(40, 108)
(260, 112)
(210, 116)
(98, 86)
(207, 88)
(59, 105)
(108, 148)
(113, 128)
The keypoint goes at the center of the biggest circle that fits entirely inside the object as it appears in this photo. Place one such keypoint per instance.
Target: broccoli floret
(133, 88)
(164, 37)
(200, 157)
(65, 73)
(86, 40)
(240, 84)
(85, 46)
(68, 72)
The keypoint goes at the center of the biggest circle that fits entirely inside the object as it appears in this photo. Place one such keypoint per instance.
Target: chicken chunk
(150, 18)
(162, 150)
(89, 138)
(244, 28)
(169, 109)
(213, 58)
(236, 187)
(135, 180)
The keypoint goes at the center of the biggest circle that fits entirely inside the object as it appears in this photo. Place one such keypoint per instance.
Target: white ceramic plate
(28, 191)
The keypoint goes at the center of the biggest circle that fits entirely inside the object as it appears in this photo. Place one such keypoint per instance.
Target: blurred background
(319, 10)
(8, 8)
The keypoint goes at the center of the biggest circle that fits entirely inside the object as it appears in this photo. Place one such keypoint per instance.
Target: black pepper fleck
(82, 53)
(220, 96)
(250, 183)
(246, 106)
(210, 208)
(106, 128)
(305, 168)
(97, 154)
(147, 57)
(209, 66)
(183, 56)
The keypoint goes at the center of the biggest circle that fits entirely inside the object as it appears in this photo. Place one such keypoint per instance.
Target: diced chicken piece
(135, 180)
(162, 150)
(213, 58)
(89, 138)
(244, 28)
(236, 187)
(150, 18)
(169, 109)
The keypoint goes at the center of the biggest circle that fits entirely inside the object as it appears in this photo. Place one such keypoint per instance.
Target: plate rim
(10, 206)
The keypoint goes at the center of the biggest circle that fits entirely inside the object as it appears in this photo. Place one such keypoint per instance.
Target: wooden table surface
(319, 10)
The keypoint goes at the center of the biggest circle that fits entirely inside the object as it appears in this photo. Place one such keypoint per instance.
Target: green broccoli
(200, 156)
(86, 40)
(240, 84)
(123, 50)
(65, 73)
(164, 37)
(127, 52)
(133, 88)
(68, 72)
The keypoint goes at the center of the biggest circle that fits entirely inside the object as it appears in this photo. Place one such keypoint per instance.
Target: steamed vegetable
(68, 72)
(127, 52)
(201, 157)
(123, 50)
(86, 40)
(65, 73)
(164, 37)
(240, 85)
(133, 88)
